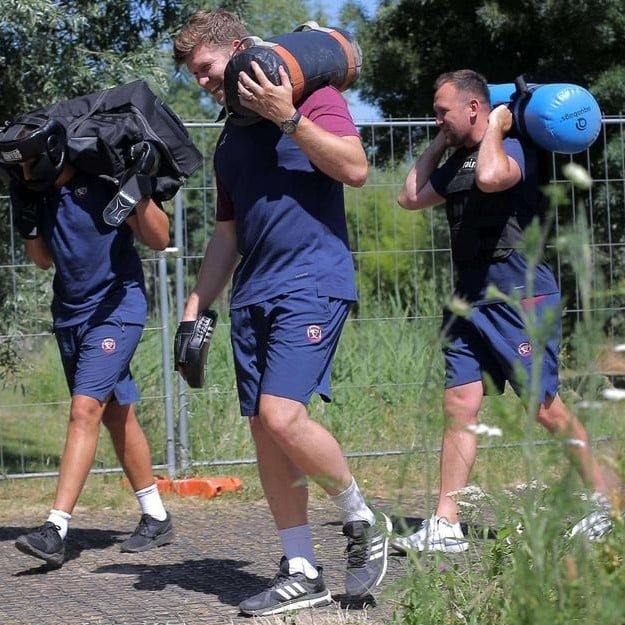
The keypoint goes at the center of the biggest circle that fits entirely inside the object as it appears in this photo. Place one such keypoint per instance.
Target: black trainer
(367, 554)
(149, 533)
(287, 592)
(44, 543)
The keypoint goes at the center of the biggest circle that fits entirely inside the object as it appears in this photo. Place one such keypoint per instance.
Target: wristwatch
(288, 126)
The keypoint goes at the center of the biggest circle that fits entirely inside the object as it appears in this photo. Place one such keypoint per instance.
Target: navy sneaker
(148, 534)
(288, 592)
(367, 554)
(44, 543)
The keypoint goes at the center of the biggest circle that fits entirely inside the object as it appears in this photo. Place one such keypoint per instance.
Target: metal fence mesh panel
(391, 249)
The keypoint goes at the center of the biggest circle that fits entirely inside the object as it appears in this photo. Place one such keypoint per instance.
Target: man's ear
(235, 46)
(474, 106)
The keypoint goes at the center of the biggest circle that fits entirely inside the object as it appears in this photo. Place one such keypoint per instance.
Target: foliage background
(52, 50)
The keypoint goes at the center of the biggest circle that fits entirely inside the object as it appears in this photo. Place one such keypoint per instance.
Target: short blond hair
(218, 27)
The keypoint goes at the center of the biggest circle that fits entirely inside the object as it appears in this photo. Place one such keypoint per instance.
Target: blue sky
(332, 7)
(360, 111)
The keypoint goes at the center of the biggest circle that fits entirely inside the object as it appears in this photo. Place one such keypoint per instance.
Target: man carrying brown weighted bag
(281, 228)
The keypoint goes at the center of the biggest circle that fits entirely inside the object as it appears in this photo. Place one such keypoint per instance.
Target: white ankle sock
(298, 549)
(151, 503)
(61, 520)
(353, 505)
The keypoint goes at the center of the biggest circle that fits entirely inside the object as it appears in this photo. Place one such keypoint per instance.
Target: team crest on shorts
(525, 349)
(108, 345)
(80, 192)
(314, 334)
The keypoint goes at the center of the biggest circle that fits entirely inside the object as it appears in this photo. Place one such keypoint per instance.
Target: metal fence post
(166, 351)
(183, 426)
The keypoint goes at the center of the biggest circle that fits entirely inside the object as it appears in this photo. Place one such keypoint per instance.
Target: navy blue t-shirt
(508, 275)
(98, 271)
(290, 217)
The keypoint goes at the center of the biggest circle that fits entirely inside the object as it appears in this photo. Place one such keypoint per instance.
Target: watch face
(288, 127)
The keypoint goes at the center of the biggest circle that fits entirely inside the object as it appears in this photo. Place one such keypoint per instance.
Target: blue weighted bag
(558, 117)
(313, 56)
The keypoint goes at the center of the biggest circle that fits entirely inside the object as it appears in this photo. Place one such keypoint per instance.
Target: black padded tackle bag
(102, 126)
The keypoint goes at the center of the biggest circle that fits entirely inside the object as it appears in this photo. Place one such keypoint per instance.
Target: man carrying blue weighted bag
(490, 186)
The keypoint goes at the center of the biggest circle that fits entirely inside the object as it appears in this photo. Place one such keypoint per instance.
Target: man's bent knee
(280, 416)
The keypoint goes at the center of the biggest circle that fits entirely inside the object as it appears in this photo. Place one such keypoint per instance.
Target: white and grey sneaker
(435, 534)
(597, 523)
(367, 554)
(288, 592)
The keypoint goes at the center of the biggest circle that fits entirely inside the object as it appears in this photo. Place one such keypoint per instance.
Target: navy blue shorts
(492, 344)
(285, 347)
(96, 359)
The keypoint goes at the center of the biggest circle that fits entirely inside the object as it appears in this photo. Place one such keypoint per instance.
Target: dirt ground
(225, 550)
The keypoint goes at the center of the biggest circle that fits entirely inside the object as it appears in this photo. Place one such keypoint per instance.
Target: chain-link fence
(404, 271)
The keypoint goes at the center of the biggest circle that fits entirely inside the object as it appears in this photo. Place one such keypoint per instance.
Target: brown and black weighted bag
(312, 56)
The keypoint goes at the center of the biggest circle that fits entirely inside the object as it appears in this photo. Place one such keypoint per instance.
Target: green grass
(386, 396)
(538, 576)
